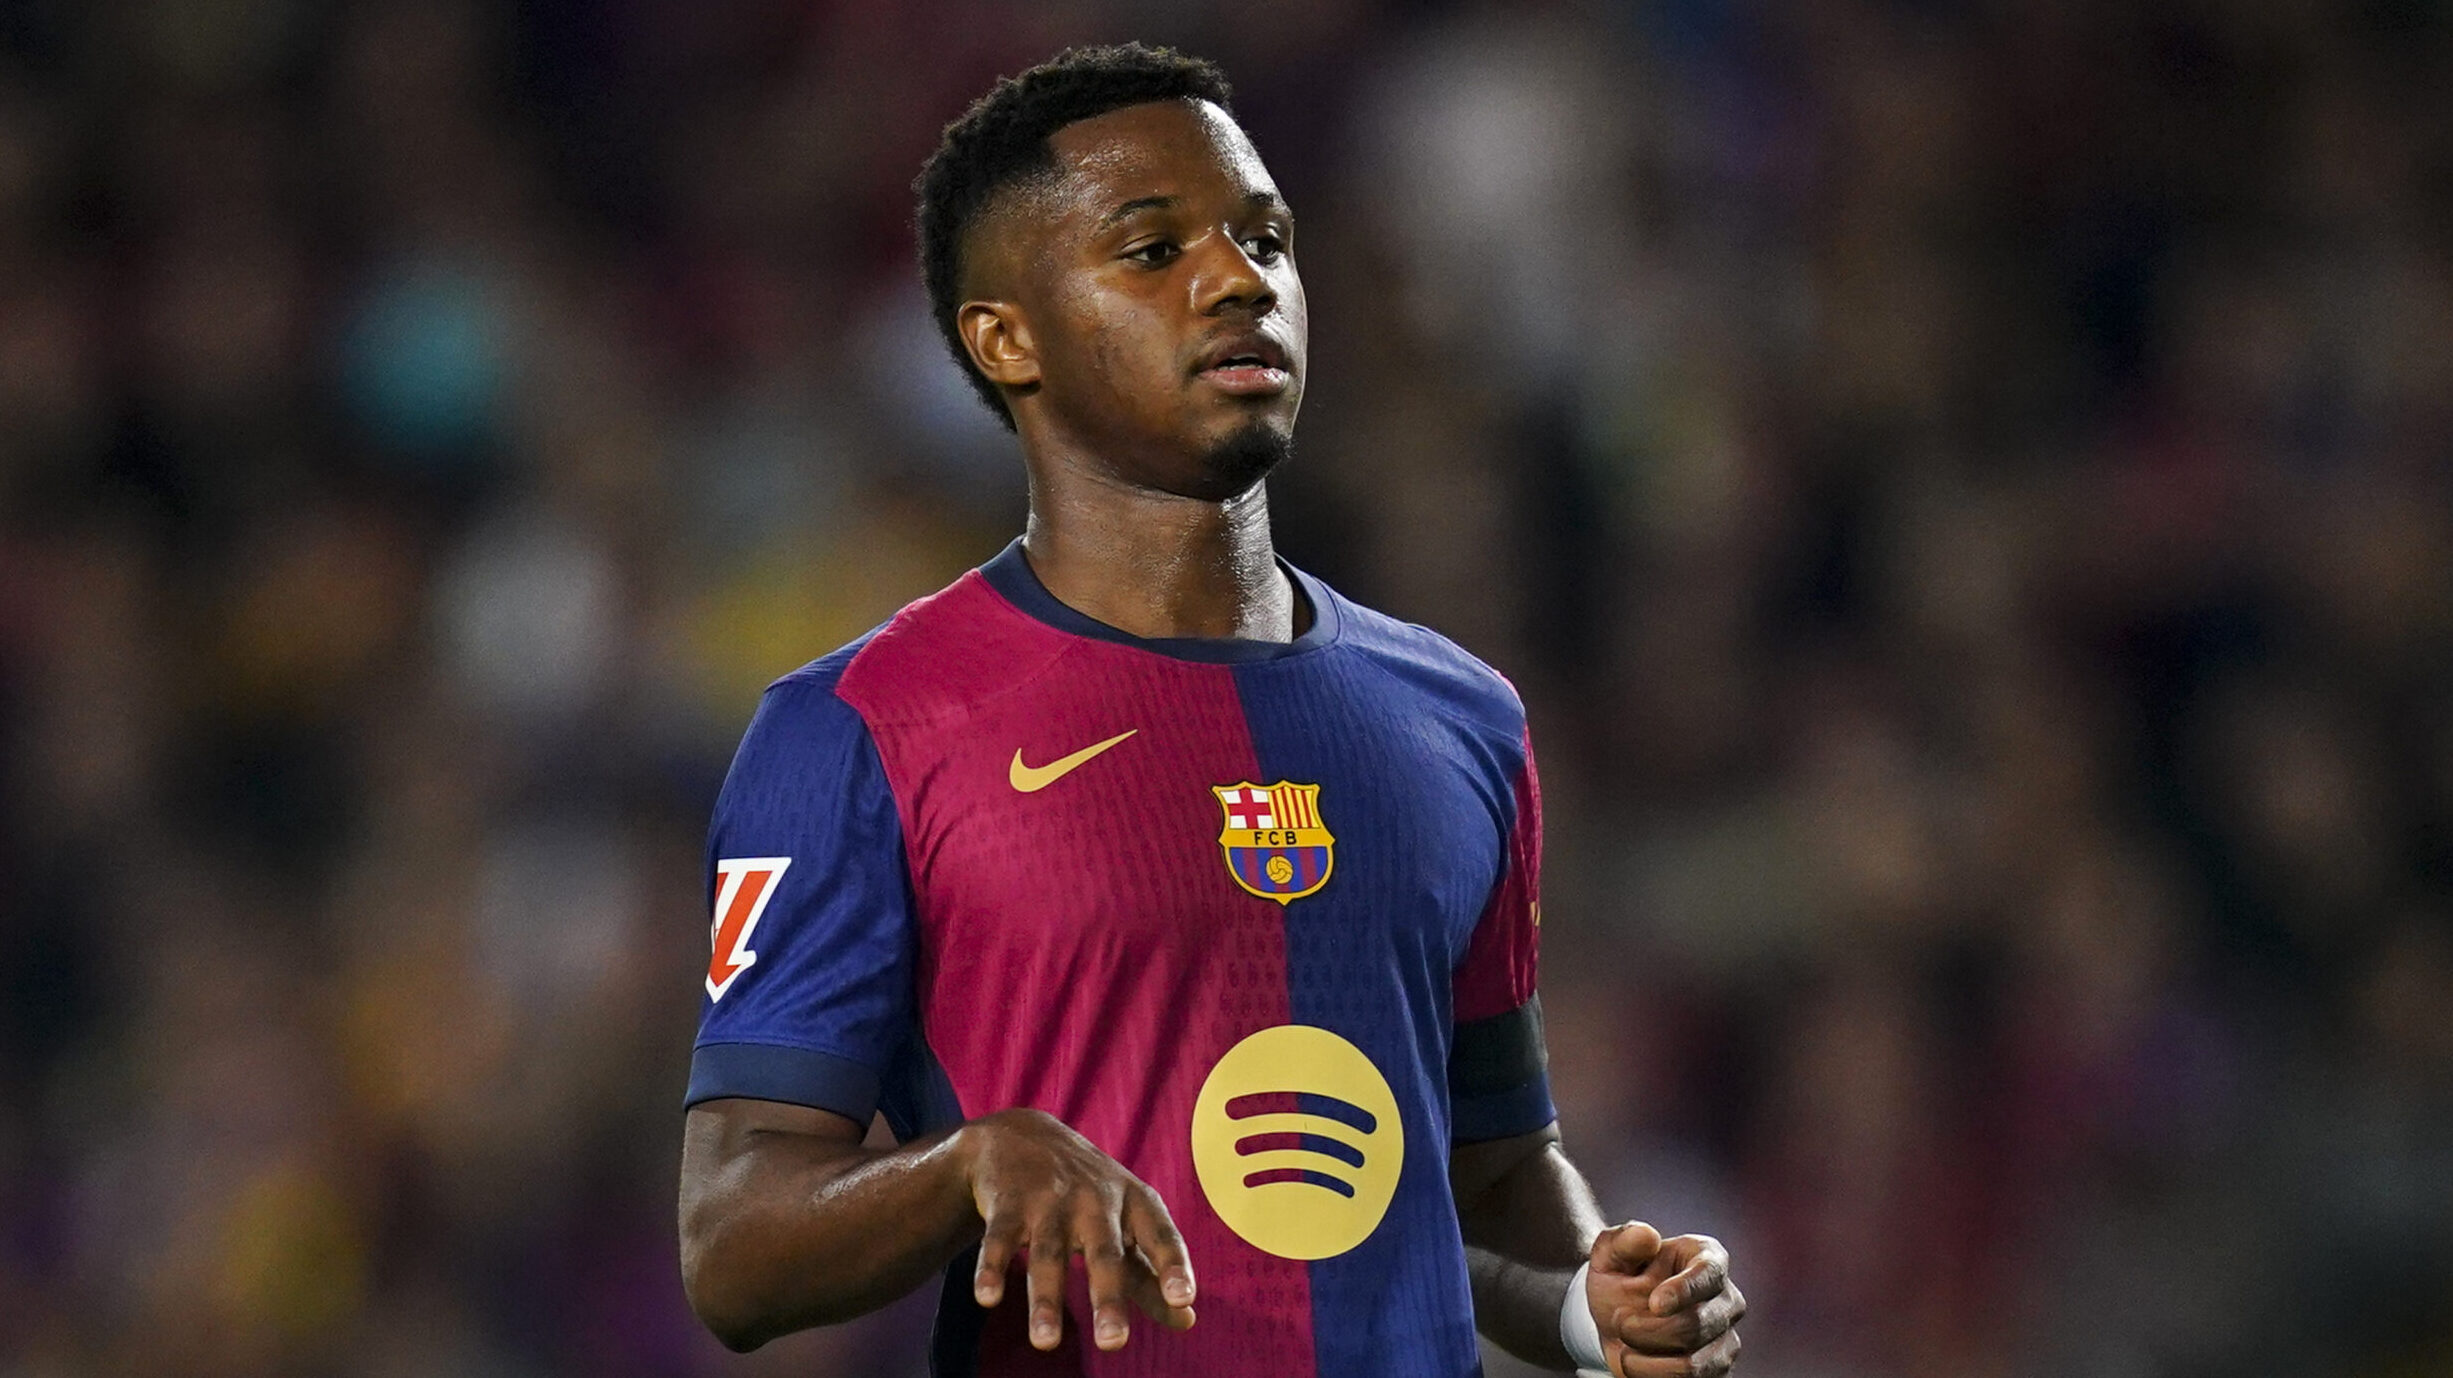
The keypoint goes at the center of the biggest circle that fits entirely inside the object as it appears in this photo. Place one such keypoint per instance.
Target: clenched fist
(1666, 1307)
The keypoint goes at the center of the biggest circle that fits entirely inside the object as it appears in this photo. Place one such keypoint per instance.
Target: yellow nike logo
(1031, 779)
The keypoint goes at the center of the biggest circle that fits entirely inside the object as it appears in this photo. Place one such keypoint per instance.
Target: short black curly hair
(1002, 140)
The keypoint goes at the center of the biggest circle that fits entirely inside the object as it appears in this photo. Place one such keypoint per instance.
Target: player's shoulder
(938, 655)
(817, 680)
(1422, 662)
(802, 725)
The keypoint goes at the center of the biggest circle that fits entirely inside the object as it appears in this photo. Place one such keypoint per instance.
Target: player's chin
(1241, 452)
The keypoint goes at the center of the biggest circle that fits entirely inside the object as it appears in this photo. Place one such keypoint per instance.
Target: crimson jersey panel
(1257, 919)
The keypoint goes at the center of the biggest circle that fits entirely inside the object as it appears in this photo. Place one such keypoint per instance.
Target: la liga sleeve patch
(743, 887)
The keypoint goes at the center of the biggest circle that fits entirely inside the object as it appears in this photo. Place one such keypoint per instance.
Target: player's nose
(1226, 277)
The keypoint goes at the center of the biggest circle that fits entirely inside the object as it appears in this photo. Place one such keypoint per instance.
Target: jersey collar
(1012, 577)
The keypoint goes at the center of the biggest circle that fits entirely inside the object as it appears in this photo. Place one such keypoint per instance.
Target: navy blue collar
(1012, 576)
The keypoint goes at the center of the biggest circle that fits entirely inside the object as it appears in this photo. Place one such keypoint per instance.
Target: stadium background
(1962, 485)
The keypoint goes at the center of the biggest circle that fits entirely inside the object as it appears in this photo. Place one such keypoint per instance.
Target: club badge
(1275, 844)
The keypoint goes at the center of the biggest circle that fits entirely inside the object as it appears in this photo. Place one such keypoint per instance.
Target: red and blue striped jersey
(1258, 919)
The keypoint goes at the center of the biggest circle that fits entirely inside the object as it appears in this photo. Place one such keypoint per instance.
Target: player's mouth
(1248, 364)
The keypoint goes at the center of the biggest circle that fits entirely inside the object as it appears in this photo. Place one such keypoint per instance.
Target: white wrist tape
(1577, 1328)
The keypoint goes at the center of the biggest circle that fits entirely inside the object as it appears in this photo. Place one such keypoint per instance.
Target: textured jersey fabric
(1274, 950)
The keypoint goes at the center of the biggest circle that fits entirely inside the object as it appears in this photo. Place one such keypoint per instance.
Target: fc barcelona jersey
(1258, 919)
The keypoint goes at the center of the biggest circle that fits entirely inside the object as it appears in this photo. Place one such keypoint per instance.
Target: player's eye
(1264, 248)
(1154, 253)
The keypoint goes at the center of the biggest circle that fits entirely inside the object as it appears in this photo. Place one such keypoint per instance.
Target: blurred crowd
(1965, 486)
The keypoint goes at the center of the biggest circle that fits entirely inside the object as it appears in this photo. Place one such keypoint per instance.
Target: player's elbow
(718, 1300)
(732, 1334)
(716, 1279)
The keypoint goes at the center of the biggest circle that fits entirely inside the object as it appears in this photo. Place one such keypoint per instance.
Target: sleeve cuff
(797, 1076)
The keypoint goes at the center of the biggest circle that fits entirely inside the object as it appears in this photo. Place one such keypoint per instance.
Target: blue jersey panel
(810, 994)
(1415, 747)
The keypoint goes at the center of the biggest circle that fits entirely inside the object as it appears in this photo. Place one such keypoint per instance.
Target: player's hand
(1042, 1187)
(1666, 1307)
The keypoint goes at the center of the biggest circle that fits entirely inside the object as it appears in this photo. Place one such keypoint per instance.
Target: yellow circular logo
(1296, 1139)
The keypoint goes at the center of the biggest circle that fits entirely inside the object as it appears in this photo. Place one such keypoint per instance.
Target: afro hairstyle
(1002, 141)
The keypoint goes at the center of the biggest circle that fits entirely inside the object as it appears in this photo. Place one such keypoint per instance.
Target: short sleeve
(809, 978)
(1499, 1064)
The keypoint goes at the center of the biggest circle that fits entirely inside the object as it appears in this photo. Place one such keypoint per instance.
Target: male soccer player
(1177, 913)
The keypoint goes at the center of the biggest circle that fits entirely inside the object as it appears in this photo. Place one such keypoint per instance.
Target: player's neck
(1158, 565)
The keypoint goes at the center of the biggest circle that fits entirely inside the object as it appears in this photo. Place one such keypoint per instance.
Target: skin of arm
(1529, 1220)
(766, 1187)
(788, 1221)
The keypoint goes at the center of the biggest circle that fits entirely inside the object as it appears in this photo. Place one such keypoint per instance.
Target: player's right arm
(787, 1220)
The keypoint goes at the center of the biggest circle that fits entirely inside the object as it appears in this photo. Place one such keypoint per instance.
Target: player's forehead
(1183, 149)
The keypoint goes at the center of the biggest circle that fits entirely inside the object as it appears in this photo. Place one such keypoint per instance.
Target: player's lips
(1251, 363)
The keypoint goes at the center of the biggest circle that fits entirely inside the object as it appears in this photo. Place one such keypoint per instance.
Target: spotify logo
(1296, 1140)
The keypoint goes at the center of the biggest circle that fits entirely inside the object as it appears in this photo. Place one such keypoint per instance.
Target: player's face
(1167, 317)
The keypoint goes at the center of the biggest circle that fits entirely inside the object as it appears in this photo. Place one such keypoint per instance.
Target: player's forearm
(1525, 1235)
(781, 1232)
(1517, 1305)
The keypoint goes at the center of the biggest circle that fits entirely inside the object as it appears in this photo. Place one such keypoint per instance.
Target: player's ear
(999, 338)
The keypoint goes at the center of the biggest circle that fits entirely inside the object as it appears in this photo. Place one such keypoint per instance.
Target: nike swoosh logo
(1032, 779)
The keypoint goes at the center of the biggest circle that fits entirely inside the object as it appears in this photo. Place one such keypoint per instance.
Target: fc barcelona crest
(1276, 846)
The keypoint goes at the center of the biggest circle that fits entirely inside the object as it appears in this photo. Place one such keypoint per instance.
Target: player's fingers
(996, 1254)
(1099, 1235)
(1720, 1356)
(1625, 1248)
(1712, 1361)
(1143, 1287)
(1731, 1302)
(1147, 1223)
(1683, 1332)
(1051, 1251)
(1703, 1272)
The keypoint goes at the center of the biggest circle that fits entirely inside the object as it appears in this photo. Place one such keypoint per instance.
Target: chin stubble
(1246, 456)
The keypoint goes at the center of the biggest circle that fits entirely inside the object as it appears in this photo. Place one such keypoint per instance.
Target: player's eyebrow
(1264, 199)
(1138, 203)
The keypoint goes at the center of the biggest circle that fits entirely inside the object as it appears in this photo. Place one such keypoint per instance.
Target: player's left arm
(1528, 1220)
(1665, 1308)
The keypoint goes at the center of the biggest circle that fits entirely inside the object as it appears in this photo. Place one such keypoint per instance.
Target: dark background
(1962, 486)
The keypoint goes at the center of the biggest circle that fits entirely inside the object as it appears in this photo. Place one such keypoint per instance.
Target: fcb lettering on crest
(1276, 845)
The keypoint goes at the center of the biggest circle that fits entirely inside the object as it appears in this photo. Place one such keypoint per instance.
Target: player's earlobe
(1000, 342)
